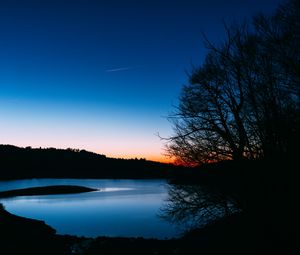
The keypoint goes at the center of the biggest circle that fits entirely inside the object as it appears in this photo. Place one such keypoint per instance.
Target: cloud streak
(120, 69)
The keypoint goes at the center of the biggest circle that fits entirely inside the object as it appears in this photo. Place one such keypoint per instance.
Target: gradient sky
(103, 75)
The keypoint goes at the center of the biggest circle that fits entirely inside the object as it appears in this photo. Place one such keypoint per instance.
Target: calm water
(125, 208)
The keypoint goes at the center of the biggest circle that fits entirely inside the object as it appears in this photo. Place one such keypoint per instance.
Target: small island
(48, 190)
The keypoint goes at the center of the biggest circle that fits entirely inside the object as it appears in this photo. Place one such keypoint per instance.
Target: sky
(103, 75)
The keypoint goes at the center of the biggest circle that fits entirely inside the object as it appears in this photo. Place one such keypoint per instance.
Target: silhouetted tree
(243, 102)
(277, 89)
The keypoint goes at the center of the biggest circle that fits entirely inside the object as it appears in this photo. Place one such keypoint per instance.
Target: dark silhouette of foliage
(20, 163)
(243, 102)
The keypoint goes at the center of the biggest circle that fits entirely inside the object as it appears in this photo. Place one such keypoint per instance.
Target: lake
(125, 208)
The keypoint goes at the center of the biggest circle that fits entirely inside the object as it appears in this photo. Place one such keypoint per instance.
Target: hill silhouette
(20, 163)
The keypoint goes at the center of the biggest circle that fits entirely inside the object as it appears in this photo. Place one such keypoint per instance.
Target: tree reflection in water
(195, 206)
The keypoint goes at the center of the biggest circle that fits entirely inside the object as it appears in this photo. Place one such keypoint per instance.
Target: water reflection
(126, 208)
(114, 189)
(194, 206)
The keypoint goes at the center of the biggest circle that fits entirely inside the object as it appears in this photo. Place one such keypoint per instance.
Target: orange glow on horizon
(156, 158)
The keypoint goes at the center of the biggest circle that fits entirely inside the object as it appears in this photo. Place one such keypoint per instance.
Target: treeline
(243, 101)
(19, 163)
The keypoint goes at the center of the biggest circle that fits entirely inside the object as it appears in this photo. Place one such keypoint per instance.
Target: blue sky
(103, 75)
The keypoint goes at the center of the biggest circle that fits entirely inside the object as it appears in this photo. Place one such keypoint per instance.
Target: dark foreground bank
(233, 235)
(20, 235)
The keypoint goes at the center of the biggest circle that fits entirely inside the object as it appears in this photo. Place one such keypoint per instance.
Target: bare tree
(243, 102)
(210, 122)
(277, 66)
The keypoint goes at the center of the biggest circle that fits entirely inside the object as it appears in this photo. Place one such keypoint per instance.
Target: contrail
(120, 69)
